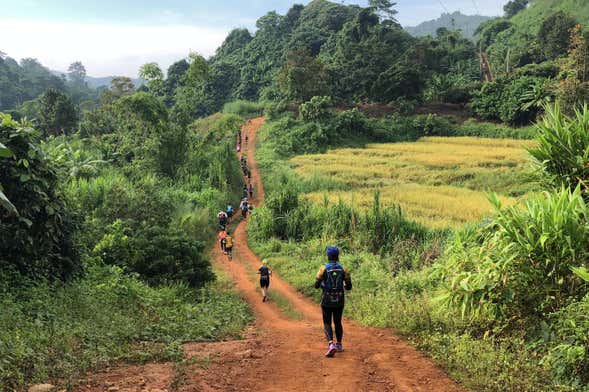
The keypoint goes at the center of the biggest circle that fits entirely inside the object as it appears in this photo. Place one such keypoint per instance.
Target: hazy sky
(114, 37)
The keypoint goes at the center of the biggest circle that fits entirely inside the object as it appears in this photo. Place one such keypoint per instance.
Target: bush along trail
(282, 353)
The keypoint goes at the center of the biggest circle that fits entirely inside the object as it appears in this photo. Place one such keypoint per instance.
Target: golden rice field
(441, 182)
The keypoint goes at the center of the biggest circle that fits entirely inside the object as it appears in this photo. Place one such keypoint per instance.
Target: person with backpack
(251, 190)
(245, 191)
(264, 273)
(222, 216)
(229, 211)
(334, 280)
(229, 246)
(244, 209)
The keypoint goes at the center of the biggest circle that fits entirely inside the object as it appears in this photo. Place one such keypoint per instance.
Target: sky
(115, 37)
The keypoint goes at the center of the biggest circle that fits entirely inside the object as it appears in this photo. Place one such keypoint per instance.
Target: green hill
(455, 21)
(531, 19)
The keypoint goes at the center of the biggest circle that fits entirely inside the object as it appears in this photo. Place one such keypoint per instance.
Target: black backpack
(333, 286)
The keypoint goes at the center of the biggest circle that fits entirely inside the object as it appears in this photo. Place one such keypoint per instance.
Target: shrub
(316, 109)
(562, 152)
(511, 110)
(472, 127)
(568, 358)
(351, 123)
(523, 267)
(488, 101)
(38, 239)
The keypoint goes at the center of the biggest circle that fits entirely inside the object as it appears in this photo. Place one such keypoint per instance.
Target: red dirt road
(280, 353)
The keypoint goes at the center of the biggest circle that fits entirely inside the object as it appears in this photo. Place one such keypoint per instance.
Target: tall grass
(244, 108)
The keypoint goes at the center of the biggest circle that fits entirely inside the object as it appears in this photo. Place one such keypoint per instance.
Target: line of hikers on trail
(239, 139)
(332, 278)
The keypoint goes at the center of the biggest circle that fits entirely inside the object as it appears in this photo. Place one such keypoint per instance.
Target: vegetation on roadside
(499, 304)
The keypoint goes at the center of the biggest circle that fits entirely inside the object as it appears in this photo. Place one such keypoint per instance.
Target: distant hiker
(333, 279)
(244, 209)
(245, 191)
(238, 147)
(222, 216)
(249, 175)
(264, 273)
(239, 136)
(246, 139)
(229, 246)
(229, 211)
(222, 240)
(251, 190)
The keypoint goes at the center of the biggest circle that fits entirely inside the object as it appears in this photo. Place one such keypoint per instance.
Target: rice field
(441, 182)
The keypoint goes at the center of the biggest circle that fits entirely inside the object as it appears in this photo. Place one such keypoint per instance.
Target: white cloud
(105, 49)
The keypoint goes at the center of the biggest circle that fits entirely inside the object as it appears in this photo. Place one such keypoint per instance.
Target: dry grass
(441, 182)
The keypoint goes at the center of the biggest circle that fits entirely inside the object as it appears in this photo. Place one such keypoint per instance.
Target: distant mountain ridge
(104, 81)
(454, 21)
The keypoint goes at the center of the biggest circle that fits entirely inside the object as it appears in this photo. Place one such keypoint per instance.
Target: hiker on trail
(333, 279)
(238, 147)
(246, 140)
(249, 175)
(222, 216)
(229, 245)
(239, 136)
(229, 211)
(264, 273)
(251, 190)
(245, 191)
(222, 240)
(244, 208)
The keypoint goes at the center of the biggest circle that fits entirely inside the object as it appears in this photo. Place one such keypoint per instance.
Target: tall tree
(57, 114)
(303, 77)
(514, 7)
(77, 73)
(119, 87)
(153, 75)
(385, 9)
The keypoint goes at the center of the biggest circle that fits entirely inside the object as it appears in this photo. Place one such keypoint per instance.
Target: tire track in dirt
(279, 353)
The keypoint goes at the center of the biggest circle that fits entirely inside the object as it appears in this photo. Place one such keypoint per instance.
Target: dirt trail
(280, 353)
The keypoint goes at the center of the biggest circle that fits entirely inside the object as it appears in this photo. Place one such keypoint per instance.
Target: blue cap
(332, 251)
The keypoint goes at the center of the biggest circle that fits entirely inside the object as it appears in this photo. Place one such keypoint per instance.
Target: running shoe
(331, 350)
(339, 347)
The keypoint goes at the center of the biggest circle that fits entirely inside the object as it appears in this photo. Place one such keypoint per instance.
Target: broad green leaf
(5, 152)
(581, 272)
(7, 204)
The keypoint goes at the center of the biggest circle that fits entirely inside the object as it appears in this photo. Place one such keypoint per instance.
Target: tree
(303, 77)
(384, 9)
(198, 70)
(120, 86)
(514, 7)
(153, 75)
(77, 73)
(554, 34)
(57, 114)
(573, 89)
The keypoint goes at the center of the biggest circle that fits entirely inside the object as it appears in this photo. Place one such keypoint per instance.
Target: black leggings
(336, 314)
